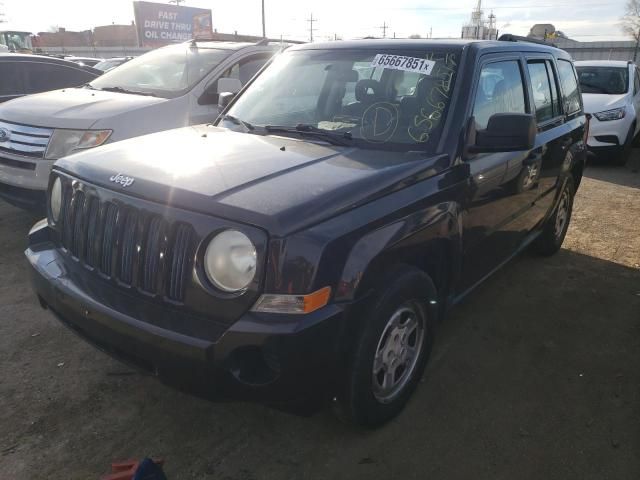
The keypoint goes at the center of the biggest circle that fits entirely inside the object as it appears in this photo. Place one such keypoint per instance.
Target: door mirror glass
(224, 99)
(506, 132)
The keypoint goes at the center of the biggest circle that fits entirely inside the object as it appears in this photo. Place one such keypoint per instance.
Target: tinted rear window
(604, 80)
(11, 79)
(42, 77)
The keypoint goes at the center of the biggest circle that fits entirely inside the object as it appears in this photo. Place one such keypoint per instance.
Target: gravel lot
(535, 376)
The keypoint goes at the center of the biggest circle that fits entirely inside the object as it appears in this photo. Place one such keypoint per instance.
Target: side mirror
(506, 132)
(224, 99)
(211, 95)
(229, 85)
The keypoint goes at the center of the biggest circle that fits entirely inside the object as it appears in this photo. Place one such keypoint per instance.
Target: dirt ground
(535, 376)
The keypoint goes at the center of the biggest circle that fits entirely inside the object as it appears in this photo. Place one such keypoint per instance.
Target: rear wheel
(554, 231)
(390, 352)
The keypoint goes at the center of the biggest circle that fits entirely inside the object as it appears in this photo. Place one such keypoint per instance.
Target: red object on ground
(127, 469)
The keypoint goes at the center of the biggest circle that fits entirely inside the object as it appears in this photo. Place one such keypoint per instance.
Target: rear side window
(11, 75)
(542, 96)
(569, 87)
(636, 83)
(42, 77)
(500, 90)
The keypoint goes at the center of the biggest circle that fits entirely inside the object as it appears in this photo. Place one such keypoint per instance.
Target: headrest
(363, 87)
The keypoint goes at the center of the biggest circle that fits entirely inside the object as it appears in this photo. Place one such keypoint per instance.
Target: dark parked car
(27, 74)
(310, 249)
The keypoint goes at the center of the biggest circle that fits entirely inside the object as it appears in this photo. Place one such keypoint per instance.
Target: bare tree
(630, 22)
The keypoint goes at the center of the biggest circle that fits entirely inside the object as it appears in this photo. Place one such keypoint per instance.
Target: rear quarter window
(569, 83)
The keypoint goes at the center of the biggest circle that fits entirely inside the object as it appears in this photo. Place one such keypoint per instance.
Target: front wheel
(390, 352)
(555, 229)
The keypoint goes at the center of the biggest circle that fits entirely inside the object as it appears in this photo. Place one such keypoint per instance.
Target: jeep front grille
(25, 140)
(135, 248)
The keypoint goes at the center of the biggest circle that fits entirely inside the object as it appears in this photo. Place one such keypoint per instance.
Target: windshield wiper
(336, 138)
(124, 90)
(237, 121)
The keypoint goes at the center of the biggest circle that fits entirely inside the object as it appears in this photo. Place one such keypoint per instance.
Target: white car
(171, 87)
(611, 94)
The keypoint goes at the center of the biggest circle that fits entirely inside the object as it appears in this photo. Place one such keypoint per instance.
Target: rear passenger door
(554, 139)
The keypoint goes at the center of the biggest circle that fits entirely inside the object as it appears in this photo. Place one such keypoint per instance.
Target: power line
(384, 28)
(504, 7)
(311, 29)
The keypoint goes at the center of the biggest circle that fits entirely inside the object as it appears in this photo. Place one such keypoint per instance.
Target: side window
(246, 68)
(542, 97)
(636, 82)
(569, 87)
(500, 90)
(42, 77)
(11, 75)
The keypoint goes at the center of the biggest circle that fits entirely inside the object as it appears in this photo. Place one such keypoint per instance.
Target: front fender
(427, 239)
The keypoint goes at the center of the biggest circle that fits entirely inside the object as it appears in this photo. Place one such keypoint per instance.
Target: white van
(170, 87)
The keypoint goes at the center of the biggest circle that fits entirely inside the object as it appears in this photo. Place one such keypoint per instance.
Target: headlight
(607, 115)
(64, 142)
(230, 261)
(55, 200)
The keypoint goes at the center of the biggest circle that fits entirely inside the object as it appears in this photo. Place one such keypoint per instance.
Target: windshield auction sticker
(400, 62)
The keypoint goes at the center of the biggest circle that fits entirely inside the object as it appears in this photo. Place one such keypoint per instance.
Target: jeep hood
(598, 102)
(277, 183)
(78, 108)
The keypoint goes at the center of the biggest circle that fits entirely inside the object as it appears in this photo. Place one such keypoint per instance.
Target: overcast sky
(586, 20)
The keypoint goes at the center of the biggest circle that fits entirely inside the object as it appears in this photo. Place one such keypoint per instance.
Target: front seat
(367, 93)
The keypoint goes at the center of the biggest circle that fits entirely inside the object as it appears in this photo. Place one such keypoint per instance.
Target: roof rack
(507, 37)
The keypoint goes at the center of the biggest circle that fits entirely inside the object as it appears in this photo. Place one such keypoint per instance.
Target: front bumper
(24, 181)
(607, 139)
(265, 357)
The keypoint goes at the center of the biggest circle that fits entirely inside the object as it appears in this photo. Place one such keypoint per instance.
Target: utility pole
(311, 29)
(264, 30)
(384, 29)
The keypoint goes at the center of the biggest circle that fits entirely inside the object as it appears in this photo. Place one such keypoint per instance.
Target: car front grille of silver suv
(24, 140)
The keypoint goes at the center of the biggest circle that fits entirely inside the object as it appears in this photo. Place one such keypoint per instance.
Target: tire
(625, 152)
(397, 322)
(555, 229)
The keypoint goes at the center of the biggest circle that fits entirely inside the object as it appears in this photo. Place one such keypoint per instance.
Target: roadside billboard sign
(160, 24)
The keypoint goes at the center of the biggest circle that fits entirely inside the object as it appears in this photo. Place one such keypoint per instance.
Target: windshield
(106, 65)
(604, 80)
(377, 99)
(168, 72)
(16, 41)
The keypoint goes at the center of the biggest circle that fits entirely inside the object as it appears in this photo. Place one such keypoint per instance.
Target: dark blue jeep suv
(307, 245)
